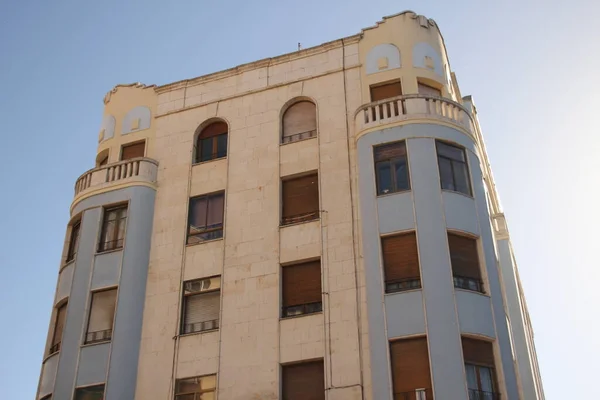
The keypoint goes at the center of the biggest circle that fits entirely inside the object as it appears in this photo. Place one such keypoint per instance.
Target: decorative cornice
(134, 85)
(412, 14)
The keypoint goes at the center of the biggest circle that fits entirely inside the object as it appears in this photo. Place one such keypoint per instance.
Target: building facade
(319, 225)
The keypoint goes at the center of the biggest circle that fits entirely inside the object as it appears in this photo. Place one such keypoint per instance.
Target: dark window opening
(112, 236)
(201, 305)
(102, 314)
(212, 142)
(454, 171)
(73, 241)
(205, 220)
(464, 257)
(391, 168)
(401, 262)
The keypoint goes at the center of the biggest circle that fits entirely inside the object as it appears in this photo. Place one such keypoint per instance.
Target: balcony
(413, 107)
(115, 175)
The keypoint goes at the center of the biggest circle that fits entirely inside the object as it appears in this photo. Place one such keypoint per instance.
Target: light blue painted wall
(140, 112)
(435, 211)
(395, 212)
(64, 283)
(475, 313)
(493, 278)
(445, 351)
(77, 308)
(48, 374)
(404, 314)
(127, 268)
(107, 268)
(93, 362)
(515, 314)
(422, 50)
(384, 50)
(460, 212)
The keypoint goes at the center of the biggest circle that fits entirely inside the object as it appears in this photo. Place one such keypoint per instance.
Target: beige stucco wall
(252, 341)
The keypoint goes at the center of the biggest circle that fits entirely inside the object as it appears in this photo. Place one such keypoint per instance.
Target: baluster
(366, 114)
(400, 105)
(129, 170)
(137, 168)
(385, 110)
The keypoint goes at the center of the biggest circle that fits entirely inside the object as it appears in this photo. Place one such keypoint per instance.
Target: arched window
(299, 122)
(212, 142)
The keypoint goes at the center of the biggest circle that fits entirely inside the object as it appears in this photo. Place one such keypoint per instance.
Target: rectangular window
(454, 171)
(303, 381)
(300, 199)
(401, 262)
(95, 392)
(134, 150)
(112, 236)
(102, 314)
(301, 289)
(410, 369)
(429, 90)
(386, 91)
(73, 241)
(391, 168)
(197, 388)
(205, 220)
(201, 305)
(59, 326)
(465, 262)
(479, 368)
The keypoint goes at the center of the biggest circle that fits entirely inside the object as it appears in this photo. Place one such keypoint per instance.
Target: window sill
(65, 265)
(392, 193)
(208, 161)
(403, 291)
(472, 291)
(49, 356)
(95, 343)
(196, 333)
(108, 251)
(203, 242)
(299, 223)
(299, 140)
(300, 315)
(469, 196)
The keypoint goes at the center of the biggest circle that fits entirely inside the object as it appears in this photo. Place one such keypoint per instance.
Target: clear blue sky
(532, 67)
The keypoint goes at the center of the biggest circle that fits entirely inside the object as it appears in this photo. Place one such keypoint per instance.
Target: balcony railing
(98, 336)
(401, 285)
(412, 106)
(201, 326)
(310, 308)
(294, 219)
(481, 395)
(298, 136)
(135, 169)
(463, 282)
(417, 394)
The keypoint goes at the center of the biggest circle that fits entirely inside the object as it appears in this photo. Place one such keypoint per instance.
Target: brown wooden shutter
(300, 118)
(214, 129)
(410, 365)
(301, 283)
(133, 150)
(305, 381)
(390, 151)
(386, 91)
(102, 311)
(300, 196)
(429, 90)
(464, 256)
(478, 352)
(400, 256)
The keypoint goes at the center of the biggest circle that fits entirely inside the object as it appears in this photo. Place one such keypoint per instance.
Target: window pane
(90, 393)
(485, 375)
(221, 145)
(206, 149)
(471, 376)
(401, 172)
(384, 178)
(102, 314)
(446, 177)
(215, 210)
(461, 177)
(453, 152)
(197, 214)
